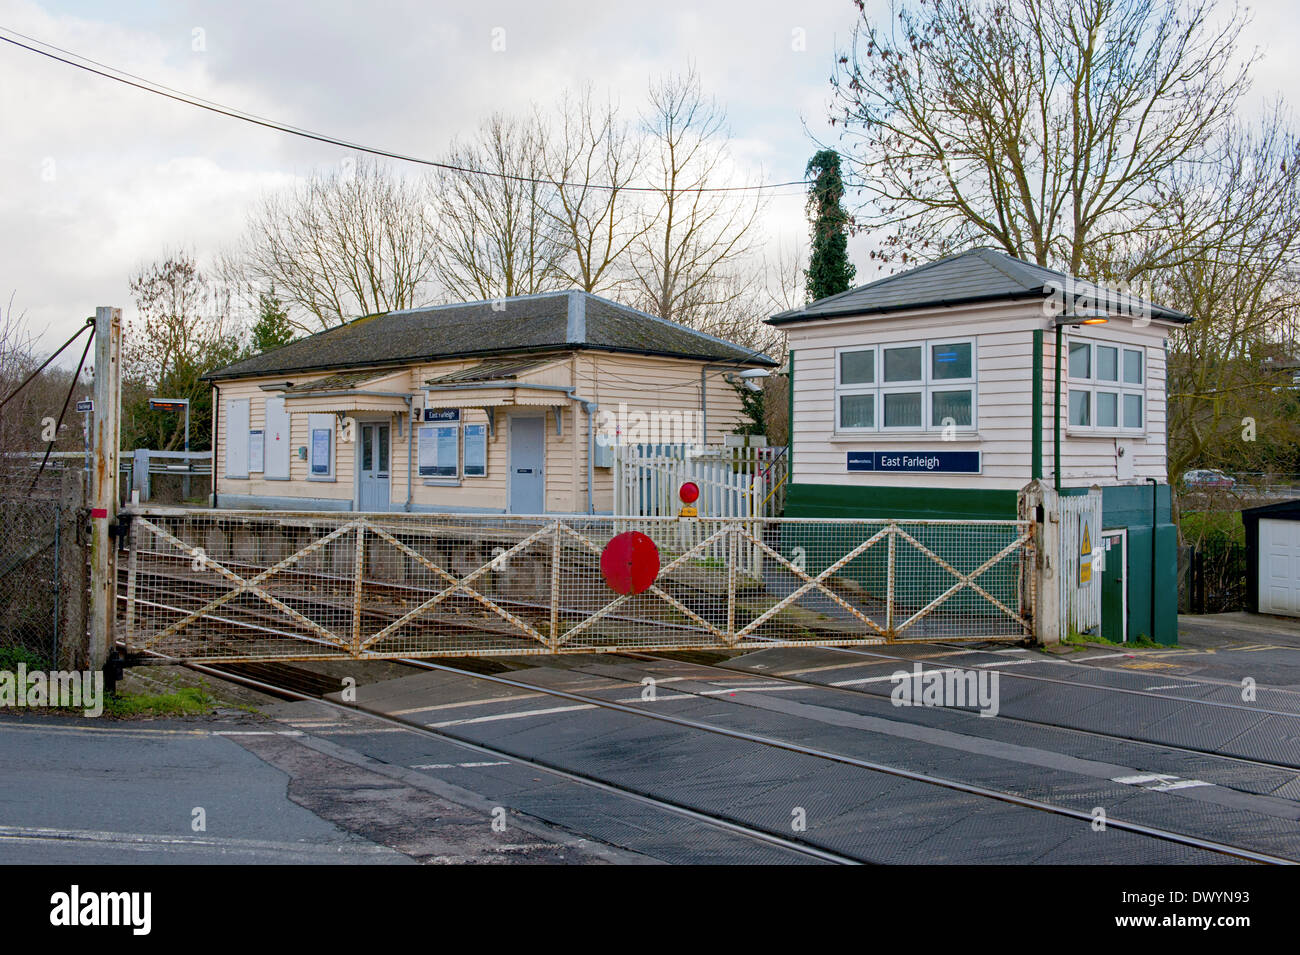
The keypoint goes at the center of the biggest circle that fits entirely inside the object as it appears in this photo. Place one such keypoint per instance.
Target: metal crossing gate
(1080, 578)
(221, 585)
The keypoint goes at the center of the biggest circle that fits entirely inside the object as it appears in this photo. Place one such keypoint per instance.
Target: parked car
(1209, 477)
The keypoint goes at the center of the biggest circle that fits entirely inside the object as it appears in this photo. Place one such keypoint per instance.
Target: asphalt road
(1159, 738)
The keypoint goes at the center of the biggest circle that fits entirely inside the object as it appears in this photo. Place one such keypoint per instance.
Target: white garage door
(1279, 567)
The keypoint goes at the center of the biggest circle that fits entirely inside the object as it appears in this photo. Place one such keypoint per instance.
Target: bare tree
(1038, 125)
(184, 328)
(1230, 240)
(352, 241)
(18, 418)
(498, 234)
(592, 158)
(692, 236)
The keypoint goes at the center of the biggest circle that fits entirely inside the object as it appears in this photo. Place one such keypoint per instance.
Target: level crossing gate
(222, 585)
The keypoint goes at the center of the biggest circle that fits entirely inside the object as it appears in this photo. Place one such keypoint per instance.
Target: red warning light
(629, 563)
(689, 492)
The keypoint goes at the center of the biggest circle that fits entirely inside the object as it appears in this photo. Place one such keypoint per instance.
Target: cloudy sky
(97, 179)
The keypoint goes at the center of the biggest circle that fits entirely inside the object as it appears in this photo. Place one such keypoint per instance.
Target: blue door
(373, 471)
(527, 455)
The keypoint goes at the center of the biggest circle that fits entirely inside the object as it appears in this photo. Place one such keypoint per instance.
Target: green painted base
(1126, 506)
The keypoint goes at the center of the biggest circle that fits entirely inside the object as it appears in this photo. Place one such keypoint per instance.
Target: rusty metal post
(889, 581)
(555, 587)
(132, 569)
(731, 583)
(357, 584)
(104, 477)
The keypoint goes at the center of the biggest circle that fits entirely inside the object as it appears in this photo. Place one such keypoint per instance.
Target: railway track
(1292, 766)
(273, 677)
(274, 680)
(804, 846)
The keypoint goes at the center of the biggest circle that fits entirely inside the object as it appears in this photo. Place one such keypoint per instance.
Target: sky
(97, 179)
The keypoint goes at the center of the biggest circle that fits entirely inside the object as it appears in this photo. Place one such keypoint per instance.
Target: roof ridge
(672, 324)
(883, 280)
(991, 257)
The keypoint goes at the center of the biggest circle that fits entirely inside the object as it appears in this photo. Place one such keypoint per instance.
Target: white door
(527, 456)
(1279, 567)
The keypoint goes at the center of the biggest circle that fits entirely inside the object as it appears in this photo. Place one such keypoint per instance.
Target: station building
(933, 394)
(487, 407)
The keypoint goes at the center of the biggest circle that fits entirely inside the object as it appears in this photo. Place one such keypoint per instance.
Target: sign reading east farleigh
(441, 414)
(915, 462)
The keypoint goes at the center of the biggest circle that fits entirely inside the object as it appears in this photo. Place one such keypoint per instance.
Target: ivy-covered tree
(272, 328)
(829, 271)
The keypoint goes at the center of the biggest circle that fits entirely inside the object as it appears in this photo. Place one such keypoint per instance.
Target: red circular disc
(689, 492)
(629, 563)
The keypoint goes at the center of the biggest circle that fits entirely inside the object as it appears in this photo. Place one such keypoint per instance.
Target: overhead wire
(88, 65)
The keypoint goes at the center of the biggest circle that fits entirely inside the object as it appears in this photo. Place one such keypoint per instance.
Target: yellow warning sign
(1085, 552)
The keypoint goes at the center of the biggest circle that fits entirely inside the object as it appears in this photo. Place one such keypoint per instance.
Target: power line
(189, 99)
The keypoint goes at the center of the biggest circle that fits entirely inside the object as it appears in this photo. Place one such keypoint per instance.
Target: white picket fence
(744, 482)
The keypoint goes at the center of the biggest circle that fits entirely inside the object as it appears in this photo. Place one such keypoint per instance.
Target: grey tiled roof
(980, 275)
(550, 322)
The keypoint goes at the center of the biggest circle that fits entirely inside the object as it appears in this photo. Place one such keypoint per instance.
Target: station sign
(442, 414)
(85, 405)
(915, 462)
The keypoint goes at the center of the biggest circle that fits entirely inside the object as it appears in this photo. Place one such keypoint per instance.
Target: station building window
(904, 387)
(1107, 387)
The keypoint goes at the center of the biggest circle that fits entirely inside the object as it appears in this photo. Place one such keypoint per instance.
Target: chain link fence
(43, 566)
(228, 585)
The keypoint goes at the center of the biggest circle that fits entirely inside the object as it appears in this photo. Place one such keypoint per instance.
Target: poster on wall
(320, 450)
(256, 449)
(475, 450)
(438, 454)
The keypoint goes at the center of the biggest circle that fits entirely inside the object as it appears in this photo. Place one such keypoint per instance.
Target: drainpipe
(1056, 414)
(590, 407)
(1154, 500)
(216, 417)
(1037, 442)
(410, 450)
(704, 407)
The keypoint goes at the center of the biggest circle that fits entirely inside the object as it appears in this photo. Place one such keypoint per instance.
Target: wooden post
(103, 504)
(1040, 504)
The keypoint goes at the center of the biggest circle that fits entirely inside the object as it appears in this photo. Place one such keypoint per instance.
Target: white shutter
(277, 441)
(237, 438)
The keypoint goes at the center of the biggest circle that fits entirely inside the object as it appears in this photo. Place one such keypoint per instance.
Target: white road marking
(1004, 663)
(1174, 686)
(883, 679)
(453, 706)
(1100, 656)
(1164, 782)
(257, 733)
(155, 841)
(457, 765)
(514, 716)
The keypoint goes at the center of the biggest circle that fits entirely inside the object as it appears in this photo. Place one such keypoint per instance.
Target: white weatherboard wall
(1003, 334)
(639, 383)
